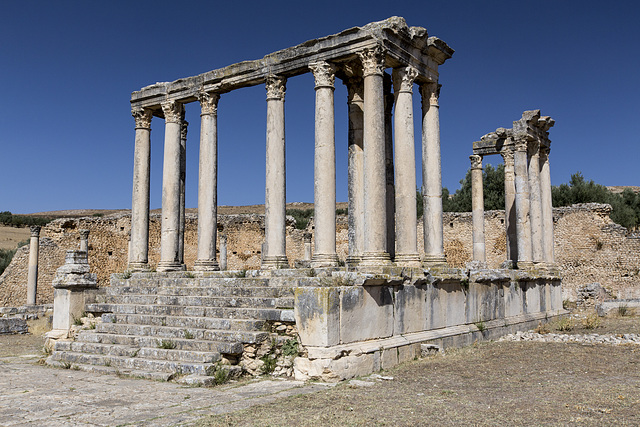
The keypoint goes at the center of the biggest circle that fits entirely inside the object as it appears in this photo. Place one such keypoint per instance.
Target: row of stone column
(528, 206)
(370, 242)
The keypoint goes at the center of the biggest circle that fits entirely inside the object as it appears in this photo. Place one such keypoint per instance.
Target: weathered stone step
(248, 337)
(275, 314)
(72, 358)
(142, 352)
(184, 321)
(204, 291)
(223, 347)
(201, 301)
(99, 369)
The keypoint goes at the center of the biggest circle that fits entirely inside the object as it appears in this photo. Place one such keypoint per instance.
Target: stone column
(183, 176)
(223, 252)
(307, 246)
(275, 189)
(547, 207)
(523, 224)
(431, 176)
(355, 212)
(139, 253)
(536, 204)
(510, 208)
(208, 184)
(84, 242)
(477, 209)
(375, 215)
(32, 273)
(388, 161)
(324, 188)
(170, 234)
(405, 169)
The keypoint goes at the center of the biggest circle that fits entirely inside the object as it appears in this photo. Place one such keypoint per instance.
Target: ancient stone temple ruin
(388, 304)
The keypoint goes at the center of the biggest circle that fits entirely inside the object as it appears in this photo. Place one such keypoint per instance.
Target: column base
(138, 266)
(508, 264)
(170, 266)
(408, 260)
(375, 259)
(434, 261)
(525, 265)
(476, 265)
(274, 262)
(324, 260)
(206, 265)
(353, 261)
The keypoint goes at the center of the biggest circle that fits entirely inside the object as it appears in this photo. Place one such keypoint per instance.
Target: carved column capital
(430, 93)
(403, 79)
(173, 111)
(521, 144)
(324, 74)
(35, 230)
(534, 149)
(476, 161)
(84, 234)
(142, 117)
(507, 157)
(355, 90)
(208, 102)
(372, 60)
(276, 87)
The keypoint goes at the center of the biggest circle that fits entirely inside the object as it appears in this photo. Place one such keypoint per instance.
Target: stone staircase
(159, 325)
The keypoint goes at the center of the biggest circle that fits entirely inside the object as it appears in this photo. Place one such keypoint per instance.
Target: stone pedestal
(139, 249)
(223, 252)
(71, 285)
(32, 274)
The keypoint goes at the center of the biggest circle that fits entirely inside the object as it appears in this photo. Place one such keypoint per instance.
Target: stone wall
(589, 248)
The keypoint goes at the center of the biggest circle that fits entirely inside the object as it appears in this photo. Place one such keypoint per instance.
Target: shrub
(166, 344)
(565, 324)
(290, 347)
(6, 255)
(302, 217)
(592, 321)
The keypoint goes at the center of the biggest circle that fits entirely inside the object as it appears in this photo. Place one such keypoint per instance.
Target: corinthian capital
(276, 87)
(403, 79)
(520, 144)
(507, 157)
(430, 93)
(476, 161)
(372, 60)
(173, 111)
(142, 117)
(208, 102)
(35, 230)
(324, 73)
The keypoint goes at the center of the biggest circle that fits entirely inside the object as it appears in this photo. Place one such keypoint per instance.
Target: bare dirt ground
(494, 383)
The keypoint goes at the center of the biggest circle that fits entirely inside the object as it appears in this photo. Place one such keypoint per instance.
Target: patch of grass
(189, 275)
(107, 363)
(188, 335)
(592, 321)
(342, 211)
(481, 326)
(270, 362)
(166, 344)
(98, 215)
(78, 320)
(542, 328)
(66, 365)
(127, 274)
(92, 326)
(241, 273)
(302, 217)
(565, 324)
(218, 372)
(290, 347)
(623, 310)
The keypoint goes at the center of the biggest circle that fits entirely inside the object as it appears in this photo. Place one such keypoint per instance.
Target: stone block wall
(589, 248)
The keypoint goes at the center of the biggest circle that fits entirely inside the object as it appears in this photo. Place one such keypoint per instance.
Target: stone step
(142, 352)
(185, 321)
(274, 314)
(204, 291)
(248, 337)
(155, 365)
(99, 369)
(201, 301)
(223, 347)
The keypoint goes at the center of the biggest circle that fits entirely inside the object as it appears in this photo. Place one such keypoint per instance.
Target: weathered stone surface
(365, 313)
(13, 325)
(317, 314)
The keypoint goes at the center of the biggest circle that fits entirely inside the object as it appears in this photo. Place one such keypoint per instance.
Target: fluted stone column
(139, 252)
(275, 189)
(431, 177)
(375, 215)
(208, 184)
(183, 177)
(355, 89)
(223, 252)
(536, 204)
(547, 207)
(389, 99)
(523, 224)
(510, 207)
(32, 273)
(324, 188)
(477, 209)
(405, 169)
(170, 233)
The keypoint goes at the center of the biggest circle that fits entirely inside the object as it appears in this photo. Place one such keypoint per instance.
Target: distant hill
(621, 188)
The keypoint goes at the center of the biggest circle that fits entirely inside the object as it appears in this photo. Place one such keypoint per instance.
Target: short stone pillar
(477, 209)
(32, 275)
(70, 285)
(84, 241)
(223, 252)
(307, 246)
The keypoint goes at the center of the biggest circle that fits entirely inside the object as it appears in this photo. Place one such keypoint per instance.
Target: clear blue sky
(67, 69)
